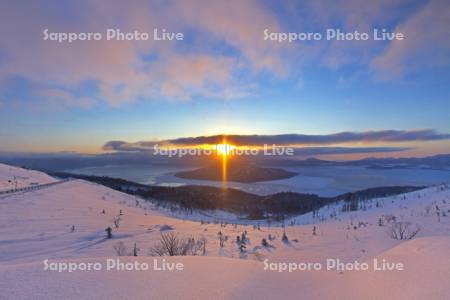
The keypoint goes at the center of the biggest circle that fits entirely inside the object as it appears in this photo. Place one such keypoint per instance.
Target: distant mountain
(441, 162)
(296, 162)
(69, 160)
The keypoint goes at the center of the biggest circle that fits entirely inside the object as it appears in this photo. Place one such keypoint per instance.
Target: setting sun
(224, 149)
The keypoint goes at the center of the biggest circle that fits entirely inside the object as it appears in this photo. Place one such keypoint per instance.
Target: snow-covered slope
(66, 223)
(15, 178)
(426, 274)
(426, 277)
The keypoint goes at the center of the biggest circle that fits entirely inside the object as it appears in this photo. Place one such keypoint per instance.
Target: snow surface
(37, 225)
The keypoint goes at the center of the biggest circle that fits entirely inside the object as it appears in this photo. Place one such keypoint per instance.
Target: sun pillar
(224, 163)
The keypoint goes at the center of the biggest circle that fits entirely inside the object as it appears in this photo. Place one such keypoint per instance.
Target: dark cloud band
(295, 140)
(328, 139)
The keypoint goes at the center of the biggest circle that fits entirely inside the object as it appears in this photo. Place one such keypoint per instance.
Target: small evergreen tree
(108, 232)
(243, 237)
(135, 250)
(285, 239)
(242, 247)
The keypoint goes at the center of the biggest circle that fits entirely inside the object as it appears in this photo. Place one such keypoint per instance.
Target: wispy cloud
(426, 44)
(126, 146)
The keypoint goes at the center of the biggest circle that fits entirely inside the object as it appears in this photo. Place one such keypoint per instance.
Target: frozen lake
(321, 180)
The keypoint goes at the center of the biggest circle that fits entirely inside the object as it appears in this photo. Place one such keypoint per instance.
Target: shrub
(116, 221)
(120, 249)
(222, 239)
(171, 245)
(403, 231)
(390, 218)
(135, 250)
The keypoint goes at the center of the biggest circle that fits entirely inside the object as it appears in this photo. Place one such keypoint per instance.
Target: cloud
(125, 146)
(178, 70)
(59, 99)
(348, 16)
(328, 139)
(224, 49)
(426, 43)
(426, 24)
(241, 25)
(299, 140)
(122, 146)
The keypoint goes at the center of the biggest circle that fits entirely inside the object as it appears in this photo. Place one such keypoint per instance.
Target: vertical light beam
(224, 164)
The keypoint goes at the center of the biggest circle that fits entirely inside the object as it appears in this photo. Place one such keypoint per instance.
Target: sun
(224, 149)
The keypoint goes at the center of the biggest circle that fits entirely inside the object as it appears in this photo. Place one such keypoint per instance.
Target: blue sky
(223, 78)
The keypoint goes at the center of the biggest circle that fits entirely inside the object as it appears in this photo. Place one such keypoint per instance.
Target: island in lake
(245, 173)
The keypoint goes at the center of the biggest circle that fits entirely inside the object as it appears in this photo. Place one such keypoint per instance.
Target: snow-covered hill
(66, 223)
(15, 178)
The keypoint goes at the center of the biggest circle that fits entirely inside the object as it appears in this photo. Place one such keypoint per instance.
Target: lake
(320, 180)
